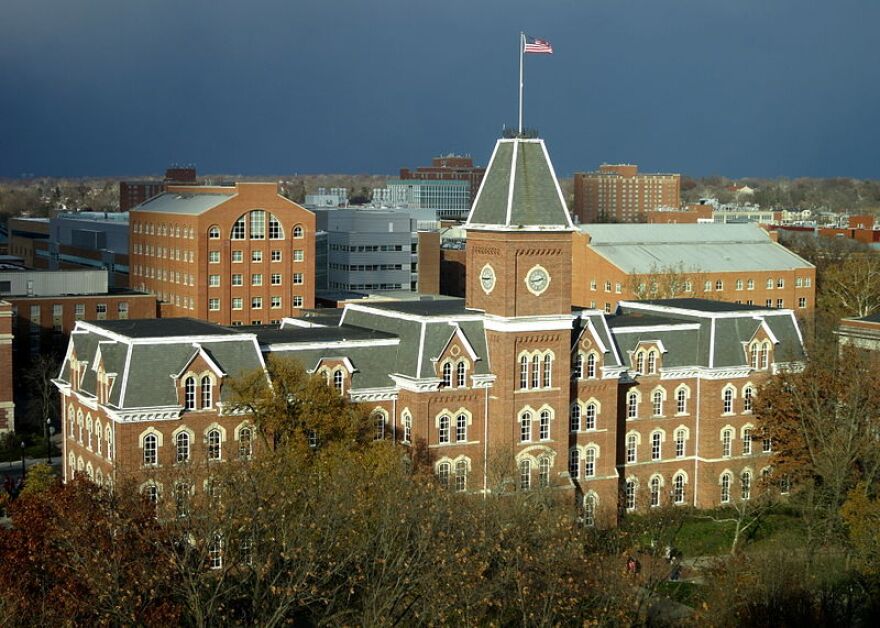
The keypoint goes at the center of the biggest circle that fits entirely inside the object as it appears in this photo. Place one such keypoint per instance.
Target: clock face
(487, 278)
(537, 280)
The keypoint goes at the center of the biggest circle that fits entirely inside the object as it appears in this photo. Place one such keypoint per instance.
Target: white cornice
(359, 307)
(416, 385)
(643, 329)
(668, 309)
(374, 394)
(335, 344)
(560, 322)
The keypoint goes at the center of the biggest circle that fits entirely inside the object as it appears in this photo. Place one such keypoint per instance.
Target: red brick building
(7, 406)
(508, 389)
(234, 255)
(449, 167)
(618, 193)
(133, 193)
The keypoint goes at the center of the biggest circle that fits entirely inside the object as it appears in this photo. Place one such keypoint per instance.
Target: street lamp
(49, 441)
(22, 461)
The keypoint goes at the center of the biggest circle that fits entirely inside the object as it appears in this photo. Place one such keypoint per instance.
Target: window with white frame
(461, 468)
(298, 255)
(258, 224)
(275, 230)
(678, 488)
(590, 416)
(525, 427)
(544, 472)
(182, 445)
(652, 362)
(590, 462)
(461, 422)
(746, 484)
(640, 363)
(238, 230)
(245, 443)
(297, 301)
(727, 398)
(256, 303)
(214, 233)
(276, 279)
(275, 302)
(680, 443)
(589, 510)
(298, 279)
(548, 371)
(748, 394)
(632, 405)
(407, 427)
(275, 255)
(378, 425)
(525, 475)
(656, 446)
(574, 418)
(747, 441)
(297, 231)
(574, 463)
(443, 435)
(461, 374)
(577, 369)
(655, 491)
(657, 402)
(213, 442)
(632, 448)
(766, 444)
(151, 453)
(447, 375)
(536, 371)
(630, 495)
(544, 425)
(726, 440)
(591, 366)
(207, 392)
(523, 372)
(725, 488)
(681, 397)
(189, 393)
(214, 304)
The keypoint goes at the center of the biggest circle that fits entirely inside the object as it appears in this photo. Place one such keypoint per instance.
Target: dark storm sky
(734, 87)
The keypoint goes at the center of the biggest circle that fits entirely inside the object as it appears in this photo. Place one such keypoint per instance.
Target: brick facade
(7, 406)
(618, 193)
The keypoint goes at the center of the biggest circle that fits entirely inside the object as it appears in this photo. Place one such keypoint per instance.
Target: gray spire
(520, 191)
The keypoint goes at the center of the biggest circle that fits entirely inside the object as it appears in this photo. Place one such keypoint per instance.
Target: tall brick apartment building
(509, 389)
(7, 406)
(450, 168)
(618, 193)
(233, 255)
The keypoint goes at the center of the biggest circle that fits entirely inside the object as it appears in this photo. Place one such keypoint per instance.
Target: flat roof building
(619, 193)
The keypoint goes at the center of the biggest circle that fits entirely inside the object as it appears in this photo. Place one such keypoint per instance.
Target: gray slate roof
(638, 248)
(534, 199)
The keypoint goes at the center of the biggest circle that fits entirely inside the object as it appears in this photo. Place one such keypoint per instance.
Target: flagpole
(521, 39)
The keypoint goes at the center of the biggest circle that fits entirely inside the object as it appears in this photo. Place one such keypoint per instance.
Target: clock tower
(519, 274)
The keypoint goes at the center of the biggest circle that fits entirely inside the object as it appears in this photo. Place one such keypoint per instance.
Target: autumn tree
(668, 282)
(852, 288)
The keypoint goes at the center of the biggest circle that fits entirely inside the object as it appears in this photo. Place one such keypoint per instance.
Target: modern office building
(619, 193)
(506, 390)
(133, 193)
(234, 255)
(449, 168)
(333, 197)
(737, 263)
(379, 250)
(451, 198)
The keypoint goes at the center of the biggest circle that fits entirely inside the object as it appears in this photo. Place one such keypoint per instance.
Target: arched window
(536, 371)
(215, 552)
(525, 475)
(656, 446)
(678, 488)
(680, 443)
(275, 230)
(151, 493)
(726, 437)
(238, 229)
(407, 427)
(590, 462)
(590, 416)
(523, 372)
(189, 393)
(748, 394)
(632, 405)
(150, 450)
(746, 480)
(213, 442)
(379, 425)
(632, 448)
(461, 476)
(574, 464)
(727, 398)
(655, 491)
(443, 470)
(544, 425)
(245, 443)
(747, 441)
(337, 380)
(630, 494)
(652, 362)
(548, 371)
(181, 499)
(681, 401)
(591, 365)
(71, 461)
(182, 447)
(258, 224)
(460, 373)
(725, 488)
(444, 429)
(574, 422)
(577, 370)
(206, 393)
(71, 419)
(297, 231)
(447, 374)
(544, 472)
(765, 355)
(461, 428)
(79, 426)
(525, 427)
(589, 510)
(89, 432)
(109, 440)
(99, 437)
(214, 233)
(640, 362)
(657, 402)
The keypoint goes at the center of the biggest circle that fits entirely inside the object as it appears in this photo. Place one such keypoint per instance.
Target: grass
(704, 537)
(35, 447)
(687, 593)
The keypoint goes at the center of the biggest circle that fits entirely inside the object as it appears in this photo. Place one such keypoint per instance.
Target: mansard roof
(520, 191)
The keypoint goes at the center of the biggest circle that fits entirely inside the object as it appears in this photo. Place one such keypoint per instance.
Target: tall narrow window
(189, 393)
(766, 444)
(460, 374)
(536, 372)
(591, 366)
(461, 428)
(678, 489)
(150, 449)
(213, 442)
(443, 474)
(407, 428)
(630, 495)
(590, 462)
(544, 425)
(379, 426)
(245, 443)
(655, 491)
(748, 393)
(656, 442)
(447, 375)
(544, 472)
(444, 429)
(589, 510)
(337, 380)
(525, 475)
(680, 444)
(632, 448)
(215, 552)
(726, 437)
(524, 372)
(657, 399)
(181, 499)
(725, 488)
(461, 476)
(238, 229)
(275, 231)
(632, 405)
(652, 362)
(765, 355)
(574, 423)
(574, 466)
(727, 397)
(548, 371)
(746, 480)
(640, 363)
(590, 416)
(206, 393)
(754, 356)
(182, 446)
(747, 441)
(577, 371)
(525, 427)
(258, 224)
(681, 401)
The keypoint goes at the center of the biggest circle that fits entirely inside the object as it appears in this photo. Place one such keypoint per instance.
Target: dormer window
(447, 374)
(189, 393)
(337, 380)
(460, 374)
(207, 392)
(652, 362)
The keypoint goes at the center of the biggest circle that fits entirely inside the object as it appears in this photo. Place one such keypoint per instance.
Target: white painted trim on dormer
(744, 313)
(644, 329)
(358, 307)
(421, 350)
(298, 322)
(482, 184)
(560, 322)
(596, 335)
(125, 372)
(766, 329)
(712, 344)
(346, 362)
(200, 351)
(556, 183)
(511, 183)
(458, 333)
(334, 344)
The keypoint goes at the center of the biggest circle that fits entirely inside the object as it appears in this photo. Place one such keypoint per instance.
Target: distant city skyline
(747, 88)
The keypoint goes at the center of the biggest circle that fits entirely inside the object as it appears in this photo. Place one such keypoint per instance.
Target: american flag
(538, 46)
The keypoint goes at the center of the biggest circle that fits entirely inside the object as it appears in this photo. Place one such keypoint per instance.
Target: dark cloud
(745, 87)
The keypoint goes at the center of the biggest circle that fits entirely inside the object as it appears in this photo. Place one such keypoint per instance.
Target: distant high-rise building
(618, 193)
(450, 168)
(133, 193)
